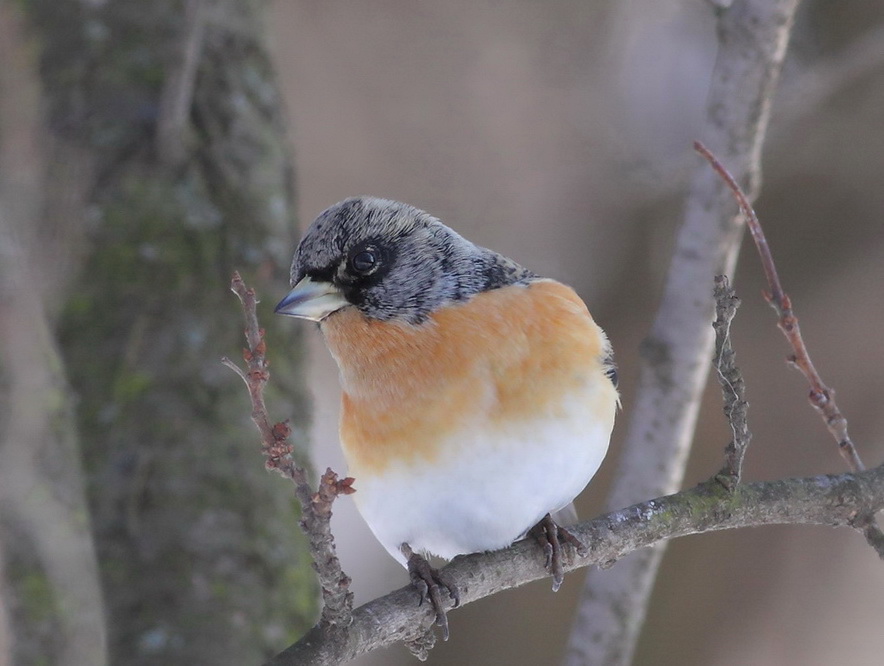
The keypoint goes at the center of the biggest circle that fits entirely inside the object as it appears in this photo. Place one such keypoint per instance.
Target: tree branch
(819, 500)
(828, 78)
(177, 95)
(45, 522)
(821, 397)
(733, 388)
(752, 37)
(316, 507)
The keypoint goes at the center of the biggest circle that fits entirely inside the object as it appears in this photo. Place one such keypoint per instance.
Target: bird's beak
(312, 300)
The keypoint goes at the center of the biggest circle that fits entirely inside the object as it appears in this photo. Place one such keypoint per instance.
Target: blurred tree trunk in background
(159, 163)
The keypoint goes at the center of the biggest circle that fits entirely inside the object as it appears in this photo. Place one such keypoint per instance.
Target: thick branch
(43, 506)
(829, 78)
(753, 35)
(177, 96)
(819, 500)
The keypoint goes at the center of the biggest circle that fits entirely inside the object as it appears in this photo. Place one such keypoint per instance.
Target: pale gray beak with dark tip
(312, 300)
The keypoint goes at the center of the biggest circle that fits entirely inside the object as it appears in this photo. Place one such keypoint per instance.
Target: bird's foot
(550, 537)
(430, 583)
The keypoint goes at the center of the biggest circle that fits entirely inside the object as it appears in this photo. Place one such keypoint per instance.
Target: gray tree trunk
(166, 168)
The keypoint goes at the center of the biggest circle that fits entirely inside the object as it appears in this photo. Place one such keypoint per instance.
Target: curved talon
(446, 581)
(549, 535)
(429, 583)
(577, 544)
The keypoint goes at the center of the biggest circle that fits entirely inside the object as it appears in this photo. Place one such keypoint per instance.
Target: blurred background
(559, 134)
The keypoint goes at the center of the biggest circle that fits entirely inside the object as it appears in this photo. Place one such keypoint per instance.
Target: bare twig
(732, 386)
(316, 506)
(819, 500)
(821, 397)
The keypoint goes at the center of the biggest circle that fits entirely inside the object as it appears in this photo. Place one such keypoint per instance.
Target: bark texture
(752, 35)
(822, 500)
(169, 167)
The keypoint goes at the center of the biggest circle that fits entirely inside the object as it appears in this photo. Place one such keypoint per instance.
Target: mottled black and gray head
(390, 260)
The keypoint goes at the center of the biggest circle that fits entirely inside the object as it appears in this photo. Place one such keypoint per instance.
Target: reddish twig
(821, 397)
(315, 506)
(733, 388)
(274, 437)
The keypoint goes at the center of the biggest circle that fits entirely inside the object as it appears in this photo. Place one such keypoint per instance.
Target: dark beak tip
(284, 303)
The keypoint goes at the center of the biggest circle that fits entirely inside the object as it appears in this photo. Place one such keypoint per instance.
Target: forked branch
(821, 397)
(315, 505)
(397, 616)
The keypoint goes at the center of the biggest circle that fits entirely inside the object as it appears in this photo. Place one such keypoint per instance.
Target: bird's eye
(365, 261)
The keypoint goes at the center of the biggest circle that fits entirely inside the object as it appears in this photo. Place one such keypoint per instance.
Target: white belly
(490, 487)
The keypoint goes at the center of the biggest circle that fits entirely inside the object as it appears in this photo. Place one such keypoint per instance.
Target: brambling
(478, 397)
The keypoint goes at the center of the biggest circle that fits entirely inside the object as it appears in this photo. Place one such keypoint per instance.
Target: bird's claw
(429, 583)
(550, 537)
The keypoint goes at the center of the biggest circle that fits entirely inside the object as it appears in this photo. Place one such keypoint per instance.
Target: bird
(477, 397)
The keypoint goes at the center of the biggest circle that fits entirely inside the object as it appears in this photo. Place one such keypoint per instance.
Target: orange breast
(509, 354)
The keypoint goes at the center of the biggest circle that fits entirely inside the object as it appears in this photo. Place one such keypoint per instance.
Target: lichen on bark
(200, 554)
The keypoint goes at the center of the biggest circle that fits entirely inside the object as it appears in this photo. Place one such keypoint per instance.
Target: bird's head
(389, 260)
